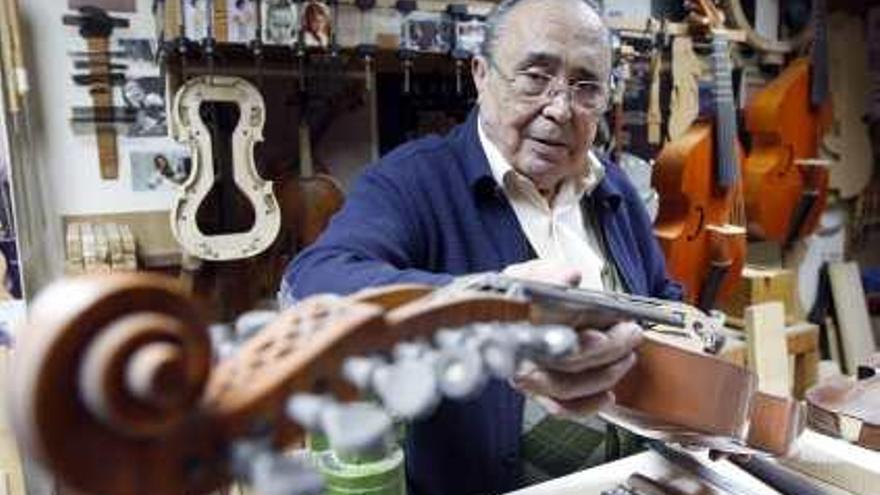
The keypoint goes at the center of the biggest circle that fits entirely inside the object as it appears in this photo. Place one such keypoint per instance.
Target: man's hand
(581, 384)
(546, 271)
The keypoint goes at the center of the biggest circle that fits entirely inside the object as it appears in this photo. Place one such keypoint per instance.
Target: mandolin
(121, 364)
(785, 187)
(701, 220)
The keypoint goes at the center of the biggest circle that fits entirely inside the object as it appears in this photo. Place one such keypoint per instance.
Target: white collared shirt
(558, 231)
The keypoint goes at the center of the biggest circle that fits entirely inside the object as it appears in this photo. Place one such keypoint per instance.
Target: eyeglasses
(591, 96)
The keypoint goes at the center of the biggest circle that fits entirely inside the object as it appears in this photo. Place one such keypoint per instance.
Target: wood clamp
(96, 26)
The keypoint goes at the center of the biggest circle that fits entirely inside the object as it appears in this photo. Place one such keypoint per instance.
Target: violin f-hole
(701, 223)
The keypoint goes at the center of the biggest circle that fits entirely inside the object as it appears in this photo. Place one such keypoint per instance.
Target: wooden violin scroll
(106, 374)
(190, 129)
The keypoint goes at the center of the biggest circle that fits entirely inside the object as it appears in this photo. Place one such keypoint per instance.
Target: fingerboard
(726, 159)
(819, 56)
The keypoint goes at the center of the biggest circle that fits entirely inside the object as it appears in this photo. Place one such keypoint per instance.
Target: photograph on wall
(280, 22)
(161, 170)
(195, 19)
(469, 36)
(427, 32)
(242, 20)
(111, 5)
(137, 49)
(146, 96)
(317, 24)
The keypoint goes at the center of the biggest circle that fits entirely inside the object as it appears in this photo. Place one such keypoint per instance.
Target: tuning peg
(461, 373)
(557, 341)
(359, 371)
(500, 358)
(360, 430)
(308, 409)
(248, 324)
(410, 350)
(410, 390)
(447, 338)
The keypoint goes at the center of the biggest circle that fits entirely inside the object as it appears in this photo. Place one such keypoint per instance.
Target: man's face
(545, 138)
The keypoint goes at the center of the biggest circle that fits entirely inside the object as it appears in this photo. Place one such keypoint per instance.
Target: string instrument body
(701, 222)
(690, 204)
(206, 175)
(785, 128)
(320, 195)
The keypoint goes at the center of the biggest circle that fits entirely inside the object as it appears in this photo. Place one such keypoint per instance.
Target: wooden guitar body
(693, 222)
(784, 129)
(192, 130)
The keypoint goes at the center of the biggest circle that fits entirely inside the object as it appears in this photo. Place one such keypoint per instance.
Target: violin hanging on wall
(785, 186)
(701, 220)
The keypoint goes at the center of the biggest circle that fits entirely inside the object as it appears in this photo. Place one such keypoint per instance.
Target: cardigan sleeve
(374, 240)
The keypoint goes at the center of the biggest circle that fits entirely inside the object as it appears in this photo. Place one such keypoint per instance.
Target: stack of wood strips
(99, 248)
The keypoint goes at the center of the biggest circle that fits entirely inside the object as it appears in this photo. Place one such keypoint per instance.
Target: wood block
(759, 285)
(851, 309)
(73, 259)
(114, 242)
(767, 347)
(836, 462)
(129, 249)
(89, 250)
(102, 248)
(802, 344)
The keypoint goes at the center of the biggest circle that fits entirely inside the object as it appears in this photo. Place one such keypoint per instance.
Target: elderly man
(514, 189)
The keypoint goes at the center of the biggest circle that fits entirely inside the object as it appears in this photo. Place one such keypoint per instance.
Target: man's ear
(480, 74)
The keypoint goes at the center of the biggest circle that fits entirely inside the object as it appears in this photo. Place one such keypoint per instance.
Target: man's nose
(559, 106)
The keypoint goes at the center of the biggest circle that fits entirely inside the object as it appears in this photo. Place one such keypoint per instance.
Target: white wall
(71, 161)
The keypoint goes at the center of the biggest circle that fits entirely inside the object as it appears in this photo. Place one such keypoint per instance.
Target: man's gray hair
(495, 23)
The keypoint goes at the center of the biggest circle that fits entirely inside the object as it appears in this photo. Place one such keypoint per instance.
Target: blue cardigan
(428, 211)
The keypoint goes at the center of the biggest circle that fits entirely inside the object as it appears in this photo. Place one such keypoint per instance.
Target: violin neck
(819, 56)
(726, 159)
(306, 168)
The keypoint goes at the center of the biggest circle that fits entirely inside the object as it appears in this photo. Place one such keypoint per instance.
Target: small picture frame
(159, 170)
(469, 36)
(242, 19)
(316, 24)
(195, 17)
(427, 32)
(280, 22)
(146, 96)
